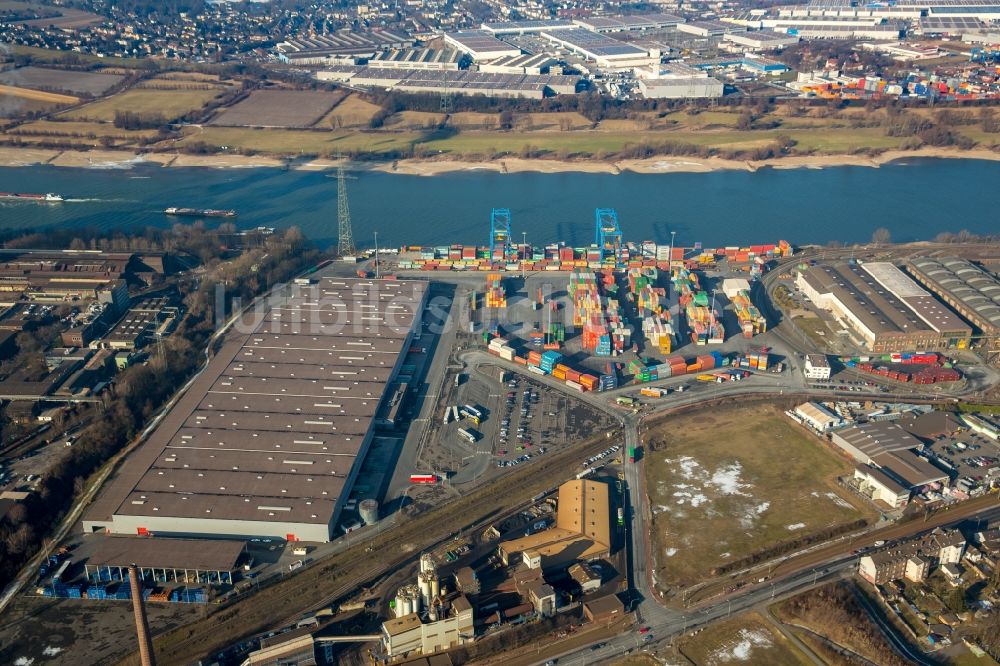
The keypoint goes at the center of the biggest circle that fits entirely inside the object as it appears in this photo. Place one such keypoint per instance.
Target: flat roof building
(480, 44)
(817, 367)
(525, 27)
(601, 49)
(691, 87)
(437, 59)
(462, 82)
(525, 63)
(630, 23)
(319, 49)
(709, 28)
(269, 439)
(883, 321)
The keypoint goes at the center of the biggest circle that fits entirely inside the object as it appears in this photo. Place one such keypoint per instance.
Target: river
(914, 199)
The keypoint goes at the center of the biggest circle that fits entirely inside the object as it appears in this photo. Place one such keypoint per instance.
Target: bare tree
(881, 236)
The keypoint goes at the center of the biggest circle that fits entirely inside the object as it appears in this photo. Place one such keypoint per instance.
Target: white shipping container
(575, 385)
(536, 370)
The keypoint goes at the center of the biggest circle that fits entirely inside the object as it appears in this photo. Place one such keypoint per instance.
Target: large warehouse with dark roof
(271, 436)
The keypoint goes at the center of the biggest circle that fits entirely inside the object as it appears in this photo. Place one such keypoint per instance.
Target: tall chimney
(141, 623)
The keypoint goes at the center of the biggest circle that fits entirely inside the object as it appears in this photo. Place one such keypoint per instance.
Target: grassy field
(474, 121)
(351, 112)
(45, 78)
(168, 103)
(37, 95)
(727, 483)
(81, 133)
(296, 142)
(279, 108)
(747, 639)
(562, 121)
(414, 120)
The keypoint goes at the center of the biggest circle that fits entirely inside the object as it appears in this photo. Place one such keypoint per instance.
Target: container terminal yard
(508, 384)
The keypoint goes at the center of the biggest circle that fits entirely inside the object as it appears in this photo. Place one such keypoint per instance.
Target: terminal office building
(269, 439)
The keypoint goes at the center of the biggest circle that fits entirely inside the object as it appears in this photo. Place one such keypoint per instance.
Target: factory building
(270, 437)
(526, 63)
(709, 28)
(427, 620)
(882, 320)
(582, 530)
(632, 23)
(462, 82)
(968, 289)
(525, 27)
(480, 44)
(435, 59)
(601, 49)
(321, 49)
(676, 80)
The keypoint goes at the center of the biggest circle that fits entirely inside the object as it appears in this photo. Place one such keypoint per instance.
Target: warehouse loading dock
(165, 560)
(269, 439)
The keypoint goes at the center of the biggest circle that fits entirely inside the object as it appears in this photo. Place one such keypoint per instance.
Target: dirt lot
(168, 103)
(279, 108)
(94, 632)
(352, 112)
(44, 78)
(725, 484)
(747, 639)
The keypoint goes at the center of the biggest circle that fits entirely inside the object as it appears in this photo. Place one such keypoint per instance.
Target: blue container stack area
(189, 595)
(549, 360)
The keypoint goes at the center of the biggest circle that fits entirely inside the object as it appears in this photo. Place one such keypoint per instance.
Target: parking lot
(974, 458)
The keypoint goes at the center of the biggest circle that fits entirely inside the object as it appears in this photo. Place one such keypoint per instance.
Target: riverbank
(112, 159)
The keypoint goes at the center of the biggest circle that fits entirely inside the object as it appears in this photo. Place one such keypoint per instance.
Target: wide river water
(914, 199)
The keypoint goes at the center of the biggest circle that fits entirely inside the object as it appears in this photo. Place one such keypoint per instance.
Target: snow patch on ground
(51, 651)
(795, 526)
(725, 555)
(741, 647)
(660, 508)
(671, 552)
(750, 517)
(23, 661)
(839, 501)
(727, 479)
(698, 500)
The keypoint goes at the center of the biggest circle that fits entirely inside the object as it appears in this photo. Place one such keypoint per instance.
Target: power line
(345, 233)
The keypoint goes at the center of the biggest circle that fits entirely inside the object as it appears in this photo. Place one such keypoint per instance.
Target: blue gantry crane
(501, 248)
(608, 235)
